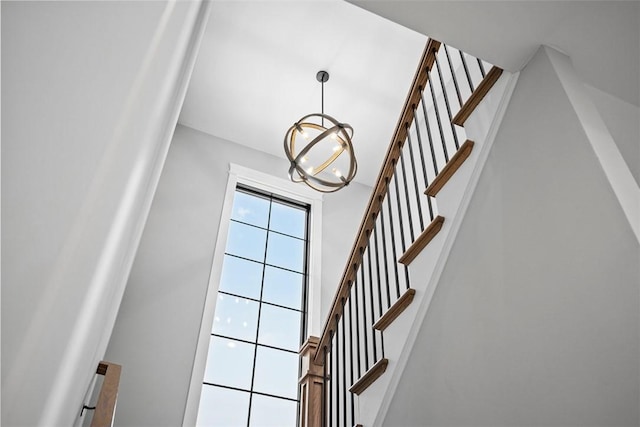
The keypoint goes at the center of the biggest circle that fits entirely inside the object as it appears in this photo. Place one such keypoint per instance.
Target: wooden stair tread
(478, 95)
(450, 168)
(423, 240)
(395, 310)
(369, 377)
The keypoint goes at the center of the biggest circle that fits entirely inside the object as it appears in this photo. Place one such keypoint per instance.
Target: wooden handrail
(380, 189)
(106, 404)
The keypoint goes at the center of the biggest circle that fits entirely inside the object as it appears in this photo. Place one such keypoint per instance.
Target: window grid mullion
(267, 264)
(258, 301)
(253, 343)
(255, 350)
(237, 221)
(247, 391)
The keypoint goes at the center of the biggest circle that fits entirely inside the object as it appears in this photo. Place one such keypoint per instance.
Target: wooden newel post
(311, 385)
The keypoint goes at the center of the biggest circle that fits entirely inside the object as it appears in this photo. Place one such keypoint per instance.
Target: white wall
(158, 324)
(535, 320)
(623, 122)
(89, 100)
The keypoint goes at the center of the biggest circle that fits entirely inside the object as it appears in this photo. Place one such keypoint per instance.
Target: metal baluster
(384, 249)
(323, 404)
(386, 272)
(375, 240)
(406, 195)
(373, 316)
(446, 103)
(453, 75)
(344, 368)
(433, 152)
(466, 70)
(424, 166)
(415, 182)
(331, 377)
(404, 248)
(393, 239)
(352, 353)
(420, 146)
(359, 366)
(437, 111)
(402, 241)
(337, 373)
(481, 67)
(364, 324)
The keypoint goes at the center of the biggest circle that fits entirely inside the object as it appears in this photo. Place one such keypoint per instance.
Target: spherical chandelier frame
(340, 133)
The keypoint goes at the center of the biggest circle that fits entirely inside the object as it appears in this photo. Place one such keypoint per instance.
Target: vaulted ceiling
(601, 37)
(255, 74)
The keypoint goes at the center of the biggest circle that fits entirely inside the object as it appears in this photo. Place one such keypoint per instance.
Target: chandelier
(321, 155)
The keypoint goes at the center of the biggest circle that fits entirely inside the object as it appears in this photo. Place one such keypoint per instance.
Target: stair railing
(105, 406)
(400, 219)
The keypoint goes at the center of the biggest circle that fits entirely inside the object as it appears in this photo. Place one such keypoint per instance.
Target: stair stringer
(453, 201)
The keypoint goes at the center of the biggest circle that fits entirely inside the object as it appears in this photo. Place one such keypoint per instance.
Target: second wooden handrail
(106, 404)
(380, 189)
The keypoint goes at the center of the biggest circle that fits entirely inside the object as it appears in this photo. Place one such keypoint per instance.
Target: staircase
(433, 162)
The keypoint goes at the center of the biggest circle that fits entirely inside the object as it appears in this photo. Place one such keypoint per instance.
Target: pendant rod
(322, 76)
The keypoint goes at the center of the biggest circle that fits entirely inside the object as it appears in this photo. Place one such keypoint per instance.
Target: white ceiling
(256, 74)
(601, 37)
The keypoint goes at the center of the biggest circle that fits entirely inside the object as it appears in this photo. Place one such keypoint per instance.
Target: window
(251, 377)
(267, 347)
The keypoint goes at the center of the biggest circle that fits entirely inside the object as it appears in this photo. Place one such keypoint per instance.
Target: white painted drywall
(615, 168)
(535, 320)
(623, 122)
(159, 320)
(90, 97)
(602, 37)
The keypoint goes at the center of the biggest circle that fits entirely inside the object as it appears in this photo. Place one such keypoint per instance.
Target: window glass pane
(286, 252)
(229, 363)
(271, 412)
(222, 407)
(235, 317)
(250, 209)
(259, 303)
(279, 327)
(241, 277)
(288, 220)
(246, 241)
(283, 287)
(276, 372)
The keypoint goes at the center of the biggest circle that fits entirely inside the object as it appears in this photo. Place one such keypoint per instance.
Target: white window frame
(282, 187)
